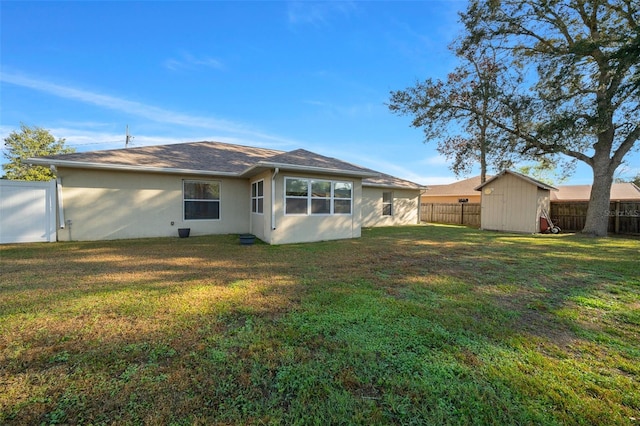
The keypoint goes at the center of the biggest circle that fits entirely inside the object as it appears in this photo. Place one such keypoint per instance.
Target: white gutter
(60, 203)
(59, 198)
(273, 198)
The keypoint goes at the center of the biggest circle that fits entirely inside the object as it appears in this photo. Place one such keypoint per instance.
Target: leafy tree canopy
(26, 143)
(580, 92)
(458, 113)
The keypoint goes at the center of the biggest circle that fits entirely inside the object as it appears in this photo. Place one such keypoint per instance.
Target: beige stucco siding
(405, 207)
(113, 205)
(261, 222)
(307, 228)
(512, 204)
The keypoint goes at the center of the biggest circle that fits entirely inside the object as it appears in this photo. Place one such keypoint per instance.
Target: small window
(201, 200)
(387, 203)
(257, 197)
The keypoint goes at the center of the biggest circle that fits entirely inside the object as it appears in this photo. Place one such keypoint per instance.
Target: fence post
(616, 227)
(461, 213)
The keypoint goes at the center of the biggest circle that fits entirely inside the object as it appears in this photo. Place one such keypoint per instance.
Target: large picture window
(257, 197)
(317, 197)
(201, 200)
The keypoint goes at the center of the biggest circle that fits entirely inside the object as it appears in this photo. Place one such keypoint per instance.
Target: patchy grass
(418, 325)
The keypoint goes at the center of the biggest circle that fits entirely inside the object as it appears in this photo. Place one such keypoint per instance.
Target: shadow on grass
(427, 324)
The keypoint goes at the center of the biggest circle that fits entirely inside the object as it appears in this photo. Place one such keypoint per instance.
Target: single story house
(218, 188)
(463, 191)
(513, 202)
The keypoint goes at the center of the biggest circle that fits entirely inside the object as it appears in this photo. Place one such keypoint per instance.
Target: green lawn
(416, 325)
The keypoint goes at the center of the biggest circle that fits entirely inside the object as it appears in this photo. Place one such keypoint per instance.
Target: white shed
(513, 202)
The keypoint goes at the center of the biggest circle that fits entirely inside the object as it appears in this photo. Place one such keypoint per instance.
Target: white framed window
(296, 196)
(320, 197)
(387, 203)
(201, 200)
(257, 197)
(317, 196)
(342, 197)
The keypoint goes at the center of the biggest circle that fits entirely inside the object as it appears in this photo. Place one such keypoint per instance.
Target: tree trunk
(483, 149)
(597, 220)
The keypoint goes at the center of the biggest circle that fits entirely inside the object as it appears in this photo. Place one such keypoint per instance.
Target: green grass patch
(416, 325)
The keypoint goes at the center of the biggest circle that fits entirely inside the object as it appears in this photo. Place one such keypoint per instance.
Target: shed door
(494, 212)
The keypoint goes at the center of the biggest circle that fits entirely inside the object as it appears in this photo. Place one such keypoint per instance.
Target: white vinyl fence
(27, 211)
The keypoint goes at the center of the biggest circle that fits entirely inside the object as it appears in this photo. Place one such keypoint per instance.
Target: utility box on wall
(513, 202)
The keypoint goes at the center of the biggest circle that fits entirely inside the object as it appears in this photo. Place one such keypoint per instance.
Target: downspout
(61, 222)
(273, 198)
(250, 207)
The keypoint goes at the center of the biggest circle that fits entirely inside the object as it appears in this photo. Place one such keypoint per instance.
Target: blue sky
(282, 75)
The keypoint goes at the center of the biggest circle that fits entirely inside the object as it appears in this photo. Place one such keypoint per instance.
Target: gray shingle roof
(217, 158)
(195, 156)
(304, 158)
(213, 158)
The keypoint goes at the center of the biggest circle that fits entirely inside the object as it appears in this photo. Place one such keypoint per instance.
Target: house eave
(380, 185)
(264, 165)
(126, 167)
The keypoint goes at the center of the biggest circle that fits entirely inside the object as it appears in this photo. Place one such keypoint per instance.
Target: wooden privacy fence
(454, 213)
(624, 216)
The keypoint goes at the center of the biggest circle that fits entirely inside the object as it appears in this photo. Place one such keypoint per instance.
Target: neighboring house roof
(619, 192)
(215, 159)
(461, 188)
(532, 181)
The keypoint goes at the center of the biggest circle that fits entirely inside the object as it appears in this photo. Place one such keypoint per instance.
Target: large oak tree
(580, 97)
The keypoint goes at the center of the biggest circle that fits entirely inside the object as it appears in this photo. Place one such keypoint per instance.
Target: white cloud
(149, 112)
(343, 110)
(440, 180)
(187, 61)
(438, 160)
(382, 166)
(317, 13)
